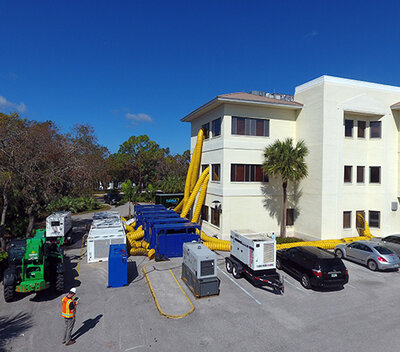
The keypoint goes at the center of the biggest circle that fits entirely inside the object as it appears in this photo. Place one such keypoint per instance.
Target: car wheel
(372, 265)
(9, 292)
(236, 272)
(278, 264)
(305, 281)
(228, 265)
(339, 253)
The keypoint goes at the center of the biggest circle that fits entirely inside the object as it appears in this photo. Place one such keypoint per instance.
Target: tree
(130, 193)
(287, 162)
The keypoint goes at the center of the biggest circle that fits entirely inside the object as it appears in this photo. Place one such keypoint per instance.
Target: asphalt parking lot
(361, 317)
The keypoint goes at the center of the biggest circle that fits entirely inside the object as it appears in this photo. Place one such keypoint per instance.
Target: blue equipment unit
(161, 213)
(168, 239)
(148, 206)
(149, 222)
(117, 266)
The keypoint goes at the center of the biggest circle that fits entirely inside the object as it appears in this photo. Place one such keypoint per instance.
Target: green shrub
(3, 256)
(75, 205)
(281, 240)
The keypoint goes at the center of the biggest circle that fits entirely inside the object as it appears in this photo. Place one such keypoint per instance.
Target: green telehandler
(34, 264)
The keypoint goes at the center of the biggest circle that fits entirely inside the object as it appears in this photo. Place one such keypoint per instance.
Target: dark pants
(69, 325)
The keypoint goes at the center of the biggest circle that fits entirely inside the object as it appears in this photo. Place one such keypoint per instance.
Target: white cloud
(136, 118)
(8, 105)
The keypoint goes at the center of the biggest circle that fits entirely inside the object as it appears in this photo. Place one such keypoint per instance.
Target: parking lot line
(295, 286)
(244, 290)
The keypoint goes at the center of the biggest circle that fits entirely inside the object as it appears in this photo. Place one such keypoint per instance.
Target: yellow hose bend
(188, 180)
(200, 201)
(218, 246)
(136, 235)
(192, 197)
(179, 206)
(138, 251)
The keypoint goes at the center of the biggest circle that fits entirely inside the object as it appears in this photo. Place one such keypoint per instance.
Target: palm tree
(130, 193)
(283, 160)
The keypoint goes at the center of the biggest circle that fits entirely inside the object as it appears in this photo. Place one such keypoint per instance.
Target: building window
(360, 217)
(216, 127)
(203, 167)
(348, 128)
(206, 130)
(247, 173)
(361, 129)
(375, 129)
(347, 173)
(250, 127)
(360, 174)
(347, 219)
(374, 174)
(215, 216)
(289, 217)
(374, 218)
(204, 213)
(216, 172)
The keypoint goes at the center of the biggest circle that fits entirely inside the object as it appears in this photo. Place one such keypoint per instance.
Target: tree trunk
(31, 221)
(3, 215)
(284, 206)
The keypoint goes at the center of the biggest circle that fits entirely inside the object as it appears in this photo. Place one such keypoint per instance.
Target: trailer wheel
(237, 274)
(229, 266)
(9, 292)
(60, 283)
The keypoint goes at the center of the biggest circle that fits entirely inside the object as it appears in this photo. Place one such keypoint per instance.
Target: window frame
(370, 174)
(363, 130)
(373, 222)
(292, 214)
(250, 125)
(204, 210)
(214, 211)
(206, 130)
(349, 213)
(379, 123)
(363, 174)
(351, 174)
(218, 166)
(249, 173)
(213, 123)
(346, 127)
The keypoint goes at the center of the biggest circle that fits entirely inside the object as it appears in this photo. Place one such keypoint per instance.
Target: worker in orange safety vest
(68, 313)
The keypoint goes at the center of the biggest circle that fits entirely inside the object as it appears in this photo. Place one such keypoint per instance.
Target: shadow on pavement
(11, 327)
(132, 272)
(87, 325)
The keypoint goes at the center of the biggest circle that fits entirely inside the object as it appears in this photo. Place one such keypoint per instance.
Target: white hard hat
(73, 290)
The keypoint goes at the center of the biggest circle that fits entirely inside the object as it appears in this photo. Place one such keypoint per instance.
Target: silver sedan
(373, 255)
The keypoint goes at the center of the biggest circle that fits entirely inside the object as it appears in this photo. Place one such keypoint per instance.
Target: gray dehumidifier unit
(199, 269)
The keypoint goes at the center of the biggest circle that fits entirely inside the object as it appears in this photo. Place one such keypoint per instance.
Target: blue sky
(137, 67)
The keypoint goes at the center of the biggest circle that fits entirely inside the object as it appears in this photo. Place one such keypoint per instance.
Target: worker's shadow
(87, 325)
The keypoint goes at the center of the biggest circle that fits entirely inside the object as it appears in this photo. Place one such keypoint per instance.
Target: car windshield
(383, 250)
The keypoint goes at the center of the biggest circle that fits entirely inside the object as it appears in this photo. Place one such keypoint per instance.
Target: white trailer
(59, 224)
(253, 255)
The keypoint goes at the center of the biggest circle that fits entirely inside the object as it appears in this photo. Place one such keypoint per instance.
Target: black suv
(112, 198)
(314, 266)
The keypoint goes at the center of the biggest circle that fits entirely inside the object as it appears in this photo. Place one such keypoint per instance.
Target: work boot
(70, 343)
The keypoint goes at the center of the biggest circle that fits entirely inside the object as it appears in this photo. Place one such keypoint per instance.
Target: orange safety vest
(66, 312)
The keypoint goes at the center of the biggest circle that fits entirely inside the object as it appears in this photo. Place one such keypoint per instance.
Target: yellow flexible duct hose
(197, 158)
(188, 180)
(129, 228)
(151, 253)
(200, 201)
(123, 219)
(136, 235)
(138, 251)
(179, 206)
(220, 246)
(192, 197)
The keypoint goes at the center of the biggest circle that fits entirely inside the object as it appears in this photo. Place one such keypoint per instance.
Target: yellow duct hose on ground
(137, 234)
(142, 251)
(218, 246)
(200, 201)
(196, 159)
(196, 189)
